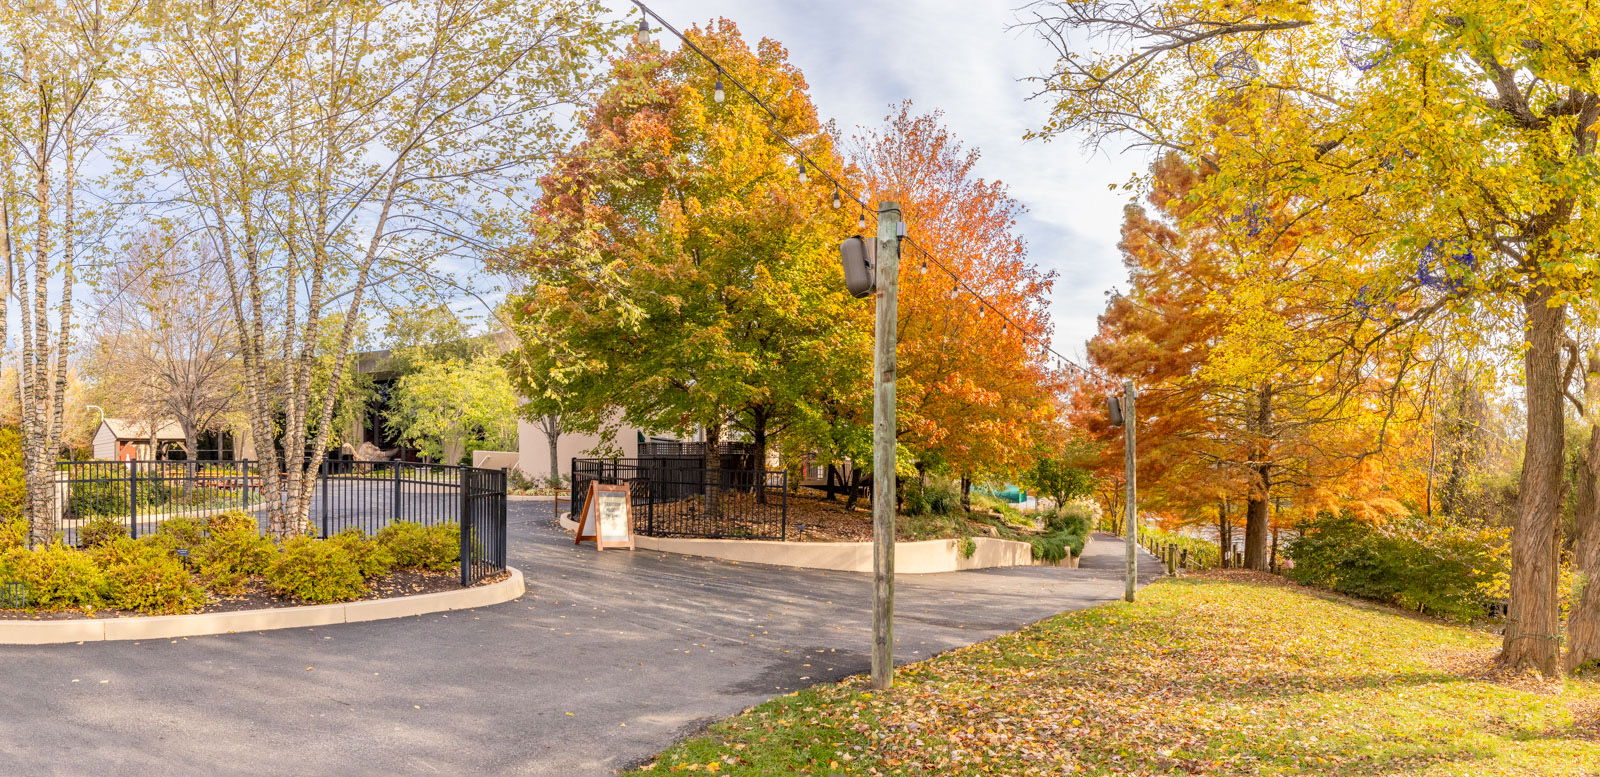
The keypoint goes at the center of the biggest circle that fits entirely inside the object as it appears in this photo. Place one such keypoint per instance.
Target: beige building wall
(533, 450)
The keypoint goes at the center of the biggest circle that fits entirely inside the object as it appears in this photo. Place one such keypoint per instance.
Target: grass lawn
(1213, 675)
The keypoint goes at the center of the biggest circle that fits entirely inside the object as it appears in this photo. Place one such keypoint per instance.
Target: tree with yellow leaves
(1448, 149)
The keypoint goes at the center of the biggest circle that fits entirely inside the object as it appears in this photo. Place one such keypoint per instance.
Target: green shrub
(142, 576)
(942, 498)
(414, 546)
(969, 546)
(372, 557)
(1068, 528)
(100, 530)
(930, 498)
(231, 521)
(230, 556)
(315, 570)
(13, 534)
(1071, 518)
(59, 577)
(12, 491)
(1453, 572)
(1057, 546)
(185, 532)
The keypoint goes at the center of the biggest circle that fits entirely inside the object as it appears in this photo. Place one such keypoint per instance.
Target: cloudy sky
(957, 56)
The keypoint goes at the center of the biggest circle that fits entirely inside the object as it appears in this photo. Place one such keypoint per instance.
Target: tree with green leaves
(684, 276)
(1059, 477)
(449, 407)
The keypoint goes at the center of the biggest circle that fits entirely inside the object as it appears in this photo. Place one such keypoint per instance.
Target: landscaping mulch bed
(812, 518)
(406, 582)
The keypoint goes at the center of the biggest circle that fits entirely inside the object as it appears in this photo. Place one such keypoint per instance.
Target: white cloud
(960, 57)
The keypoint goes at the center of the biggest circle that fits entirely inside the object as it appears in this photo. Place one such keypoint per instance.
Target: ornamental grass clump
(1068, 529)
(317, 571)
(429, 548)
(144, 576)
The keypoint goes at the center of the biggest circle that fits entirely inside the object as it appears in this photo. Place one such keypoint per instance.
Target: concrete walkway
(609, 658)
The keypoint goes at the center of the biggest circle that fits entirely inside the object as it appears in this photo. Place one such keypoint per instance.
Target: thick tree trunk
(855, 487)
(833, 473)
(1257, 532)
(1532, 633)
(1257, 521)
(1224, 537)
(966, 493)
(713, 468)
(758, 436)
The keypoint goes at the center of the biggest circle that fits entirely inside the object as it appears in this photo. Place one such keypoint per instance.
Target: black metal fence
(348, 494)
(673, 497)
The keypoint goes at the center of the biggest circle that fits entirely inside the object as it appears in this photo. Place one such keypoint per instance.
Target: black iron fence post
(462, 479)
(325, 471)
(783, 515)
(394, 510)
(133, 499)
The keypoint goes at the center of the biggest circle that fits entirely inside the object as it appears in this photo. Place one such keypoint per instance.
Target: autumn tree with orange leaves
(1255, 401)
(978, 395)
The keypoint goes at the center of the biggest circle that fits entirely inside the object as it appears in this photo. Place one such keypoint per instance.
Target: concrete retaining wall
(913, 558)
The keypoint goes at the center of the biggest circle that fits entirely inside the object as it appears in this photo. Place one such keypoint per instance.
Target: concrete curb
(169, 626)
(910, 558)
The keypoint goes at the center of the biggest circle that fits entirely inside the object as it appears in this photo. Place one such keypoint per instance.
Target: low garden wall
(44, 632)
(914, 558)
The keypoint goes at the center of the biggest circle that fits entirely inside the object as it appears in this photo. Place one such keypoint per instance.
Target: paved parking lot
(609, 658)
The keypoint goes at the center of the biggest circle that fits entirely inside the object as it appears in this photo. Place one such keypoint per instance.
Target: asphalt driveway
(608, 658)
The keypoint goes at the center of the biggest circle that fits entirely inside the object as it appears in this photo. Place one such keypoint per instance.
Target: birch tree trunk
(56, 58)
(327, 152)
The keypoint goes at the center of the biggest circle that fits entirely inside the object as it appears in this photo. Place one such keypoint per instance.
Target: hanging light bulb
(836, 202)
(861, 221)
(642, 37)
(802, 165)
(1004, 328)
(924, 268)
(716, 91)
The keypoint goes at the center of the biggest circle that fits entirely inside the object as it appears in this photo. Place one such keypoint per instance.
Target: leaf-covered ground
(1213, 675)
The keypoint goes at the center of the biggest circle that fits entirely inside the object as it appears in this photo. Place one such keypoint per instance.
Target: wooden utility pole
(887, 271)
(1131, 522)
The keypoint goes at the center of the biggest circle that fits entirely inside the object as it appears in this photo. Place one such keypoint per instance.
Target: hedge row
(225, 553)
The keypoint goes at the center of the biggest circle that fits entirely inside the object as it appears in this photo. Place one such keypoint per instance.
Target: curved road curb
(166, 626)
